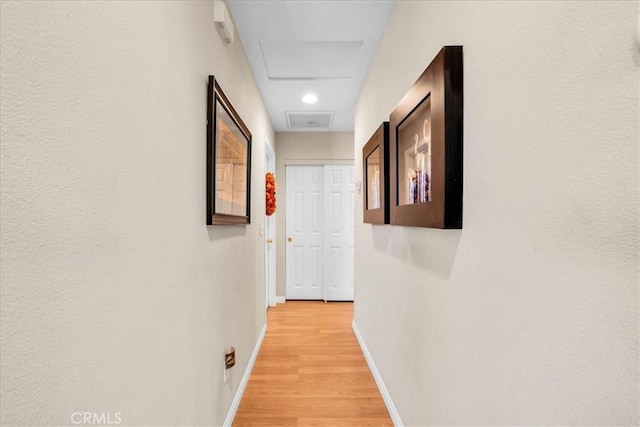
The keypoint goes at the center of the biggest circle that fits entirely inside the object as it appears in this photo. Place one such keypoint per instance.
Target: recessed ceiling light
(309, 98)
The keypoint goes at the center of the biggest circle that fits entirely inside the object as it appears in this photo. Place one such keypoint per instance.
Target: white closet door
(304, 228)
(338, 232)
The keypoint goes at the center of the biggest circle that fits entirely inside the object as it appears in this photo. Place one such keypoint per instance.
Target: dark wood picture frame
(228, 161)
(378, 146)
(437, 95)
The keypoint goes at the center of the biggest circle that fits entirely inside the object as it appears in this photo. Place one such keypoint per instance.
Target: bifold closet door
(320, 232)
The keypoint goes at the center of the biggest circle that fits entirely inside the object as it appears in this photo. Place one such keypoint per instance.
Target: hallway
(311, 372)
(119, 302)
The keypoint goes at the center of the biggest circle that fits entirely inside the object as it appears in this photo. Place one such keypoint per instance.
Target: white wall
(528, 316)
(303, 148)
(115, 295)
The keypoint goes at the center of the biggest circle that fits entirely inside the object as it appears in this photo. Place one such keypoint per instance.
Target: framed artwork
(375, 171)
(228, 161)
(426, 147)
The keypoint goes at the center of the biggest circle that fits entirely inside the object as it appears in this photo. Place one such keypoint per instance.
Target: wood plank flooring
(311, 372)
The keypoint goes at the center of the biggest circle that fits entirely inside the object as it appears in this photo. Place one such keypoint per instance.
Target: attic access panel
(310, 60)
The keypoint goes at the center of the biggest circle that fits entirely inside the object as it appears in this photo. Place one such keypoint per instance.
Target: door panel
(304, 257)
(339, 235)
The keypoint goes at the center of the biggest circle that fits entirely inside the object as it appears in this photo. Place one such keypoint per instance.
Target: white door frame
(270, 234)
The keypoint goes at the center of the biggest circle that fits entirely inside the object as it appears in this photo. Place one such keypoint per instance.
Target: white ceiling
(323, 47)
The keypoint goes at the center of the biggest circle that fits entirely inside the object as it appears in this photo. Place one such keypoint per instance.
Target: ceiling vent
(309, 119)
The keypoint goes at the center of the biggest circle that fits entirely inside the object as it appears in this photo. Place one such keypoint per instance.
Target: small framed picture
(375, 170)
(228, 161)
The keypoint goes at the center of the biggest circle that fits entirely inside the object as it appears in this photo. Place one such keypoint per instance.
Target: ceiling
(324, 47)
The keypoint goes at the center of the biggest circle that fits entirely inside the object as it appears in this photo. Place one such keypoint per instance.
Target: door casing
(270, 234)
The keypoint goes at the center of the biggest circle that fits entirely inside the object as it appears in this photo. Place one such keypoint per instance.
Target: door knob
(289, 239)
(269, 241)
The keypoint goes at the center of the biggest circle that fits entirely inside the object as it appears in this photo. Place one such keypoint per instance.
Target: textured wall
(303, 148)
(528, 316)
(115, 295)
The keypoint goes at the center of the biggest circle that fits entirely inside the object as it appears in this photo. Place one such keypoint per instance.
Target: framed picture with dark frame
(375, 171)
(228, 161)
(426, 144)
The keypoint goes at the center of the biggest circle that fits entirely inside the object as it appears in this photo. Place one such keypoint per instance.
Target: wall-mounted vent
(309, 119)
(223, 22)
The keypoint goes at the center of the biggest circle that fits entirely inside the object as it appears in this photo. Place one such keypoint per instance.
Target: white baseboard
(281, 300)
(245, 379)
(393, 412)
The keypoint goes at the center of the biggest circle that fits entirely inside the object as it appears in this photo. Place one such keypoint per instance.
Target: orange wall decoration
(270, 193)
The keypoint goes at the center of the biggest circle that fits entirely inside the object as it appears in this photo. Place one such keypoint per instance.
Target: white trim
(319, 162)
(245, 379)
(269, 150)
(270, 255)
(281, 300)
(393, 412)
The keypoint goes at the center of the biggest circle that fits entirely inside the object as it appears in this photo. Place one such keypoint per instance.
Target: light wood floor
(311, 372)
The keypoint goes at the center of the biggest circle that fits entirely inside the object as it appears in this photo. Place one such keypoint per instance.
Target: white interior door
(338, 232)
(304, 228)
